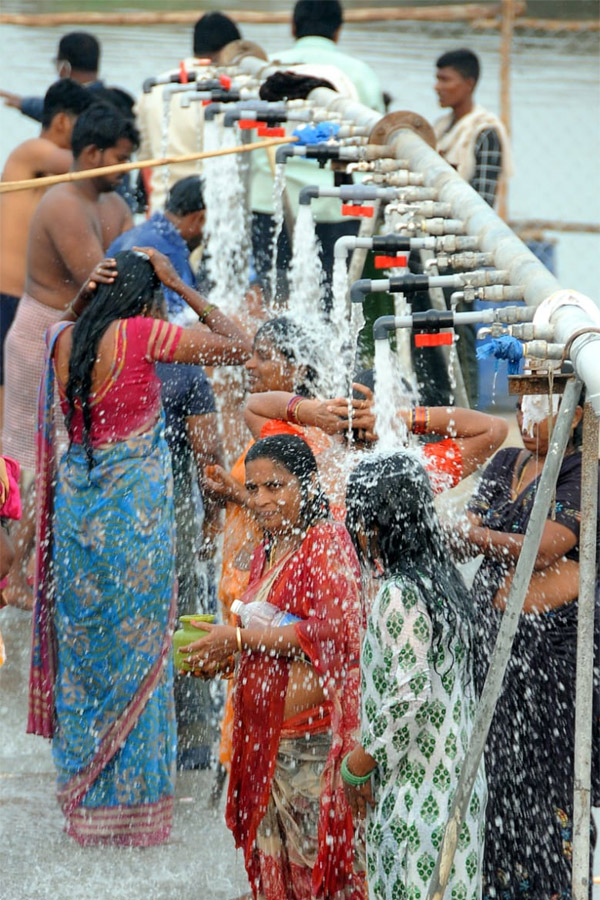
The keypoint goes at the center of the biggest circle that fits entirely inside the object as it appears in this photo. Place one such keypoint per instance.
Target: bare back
(32, 159)
(70, 233)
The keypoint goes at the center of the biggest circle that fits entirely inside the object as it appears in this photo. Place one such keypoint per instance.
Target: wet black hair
(294, 343)
(102, 126)
(135, 290)
(212, 32)
(186, 196)
(322, 19)
(390, 500)
(65, 95)
(81, 50)
(290, 86)
(464, 61)
(116, 97)
(294, 454)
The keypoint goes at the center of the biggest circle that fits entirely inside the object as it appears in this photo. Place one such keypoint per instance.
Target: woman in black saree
(530, 750)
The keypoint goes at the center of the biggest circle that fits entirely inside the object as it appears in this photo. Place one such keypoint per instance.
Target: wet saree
(319, 582)
(530, 748)
(101, 673)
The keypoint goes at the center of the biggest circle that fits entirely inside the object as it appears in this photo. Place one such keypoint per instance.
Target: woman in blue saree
(101, 683)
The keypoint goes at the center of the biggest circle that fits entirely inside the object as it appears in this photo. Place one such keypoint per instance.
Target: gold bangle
(205, 313)
(238, 635)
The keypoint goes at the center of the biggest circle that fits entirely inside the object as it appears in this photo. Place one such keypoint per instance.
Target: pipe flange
(394, 121)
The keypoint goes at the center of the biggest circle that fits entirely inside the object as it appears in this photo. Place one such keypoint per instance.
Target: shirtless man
(70, 231)
(48, 154)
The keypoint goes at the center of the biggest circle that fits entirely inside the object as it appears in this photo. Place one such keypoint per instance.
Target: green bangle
(349, 778)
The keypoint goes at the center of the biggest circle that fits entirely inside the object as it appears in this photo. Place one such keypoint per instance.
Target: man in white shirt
(185, 125)
(316, 26)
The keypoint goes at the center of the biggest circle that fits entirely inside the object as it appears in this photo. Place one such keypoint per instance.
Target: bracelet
(291, 413)
(419, 420)
(349, 778)
(238, 635)
(205, 313)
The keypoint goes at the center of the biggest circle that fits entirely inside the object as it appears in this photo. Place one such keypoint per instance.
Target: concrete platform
(40, 862)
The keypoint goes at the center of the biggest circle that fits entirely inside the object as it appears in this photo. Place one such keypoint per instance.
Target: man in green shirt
(316, 26)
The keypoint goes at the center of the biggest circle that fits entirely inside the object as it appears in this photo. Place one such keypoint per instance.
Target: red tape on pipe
(349, 209)
(391, 262)
(434, 340)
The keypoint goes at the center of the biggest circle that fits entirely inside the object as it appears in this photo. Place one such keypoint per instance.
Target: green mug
(185, 635)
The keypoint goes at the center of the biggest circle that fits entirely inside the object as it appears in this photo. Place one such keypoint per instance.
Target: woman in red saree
(296, 686)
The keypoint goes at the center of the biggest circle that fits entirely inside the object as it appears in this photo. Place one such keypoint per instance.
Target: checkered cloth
(24, 352)
(488, 164)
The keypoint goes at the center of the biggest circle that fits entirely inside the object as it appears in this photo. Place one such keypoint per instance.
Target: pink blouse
(128, 401)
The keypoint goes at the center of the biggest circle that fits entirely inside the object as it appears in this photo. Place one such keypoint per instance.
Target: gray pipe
(508, 315)
(494, 235)
(284, 151)
(356, 192)
(568, 320)
(504, 641)
(477, 280)
(584, 688)
(384, 243)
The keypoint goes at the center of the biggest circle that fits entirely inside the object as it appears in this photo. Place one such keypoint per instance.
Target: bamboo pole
(554, 225)
(506, 36)
(548, 25)
(584, 690)
(7, 187)
(452, 13)
(504, 641)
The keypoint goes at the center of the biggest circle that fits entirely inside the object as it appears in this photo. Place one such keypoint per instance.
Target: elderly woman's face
(276, 496)
(268, 369)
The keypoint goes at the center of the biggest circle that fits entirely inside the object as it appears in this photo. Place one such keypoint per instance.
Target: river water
(555, 98)
(556, 134)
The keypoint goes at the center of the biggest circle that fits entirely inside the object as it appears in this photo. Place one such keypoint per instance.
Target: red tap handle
(391, 262)
(434, 340)
(225, 82)
(183, 75)
(349, 209)
(267, 131)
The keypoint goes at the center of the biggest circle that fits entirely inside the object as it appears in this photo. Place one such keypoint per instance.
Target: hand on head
(162, 265)
(104, 273)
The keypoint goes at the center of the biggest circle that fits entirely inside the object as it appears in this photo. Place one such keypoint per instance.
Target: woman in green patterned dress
(418, 696)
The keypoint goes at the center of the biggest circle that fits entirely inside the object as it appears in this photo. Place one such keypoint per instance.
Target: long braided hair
(135, 291)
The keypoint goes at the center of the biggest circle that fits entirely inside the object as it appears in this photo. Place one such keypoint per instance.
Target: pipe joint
(382, 326)
(308, 193)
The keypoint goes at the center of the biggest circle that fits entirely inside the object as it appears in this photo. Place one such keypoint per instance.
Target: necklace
(517, 488)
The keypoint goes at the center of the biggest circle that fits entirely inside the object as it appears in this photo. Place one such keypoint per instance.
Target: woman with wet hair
(417, 690)
(101, 679)
(296, 685)
(531, 744)
(282, 359)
